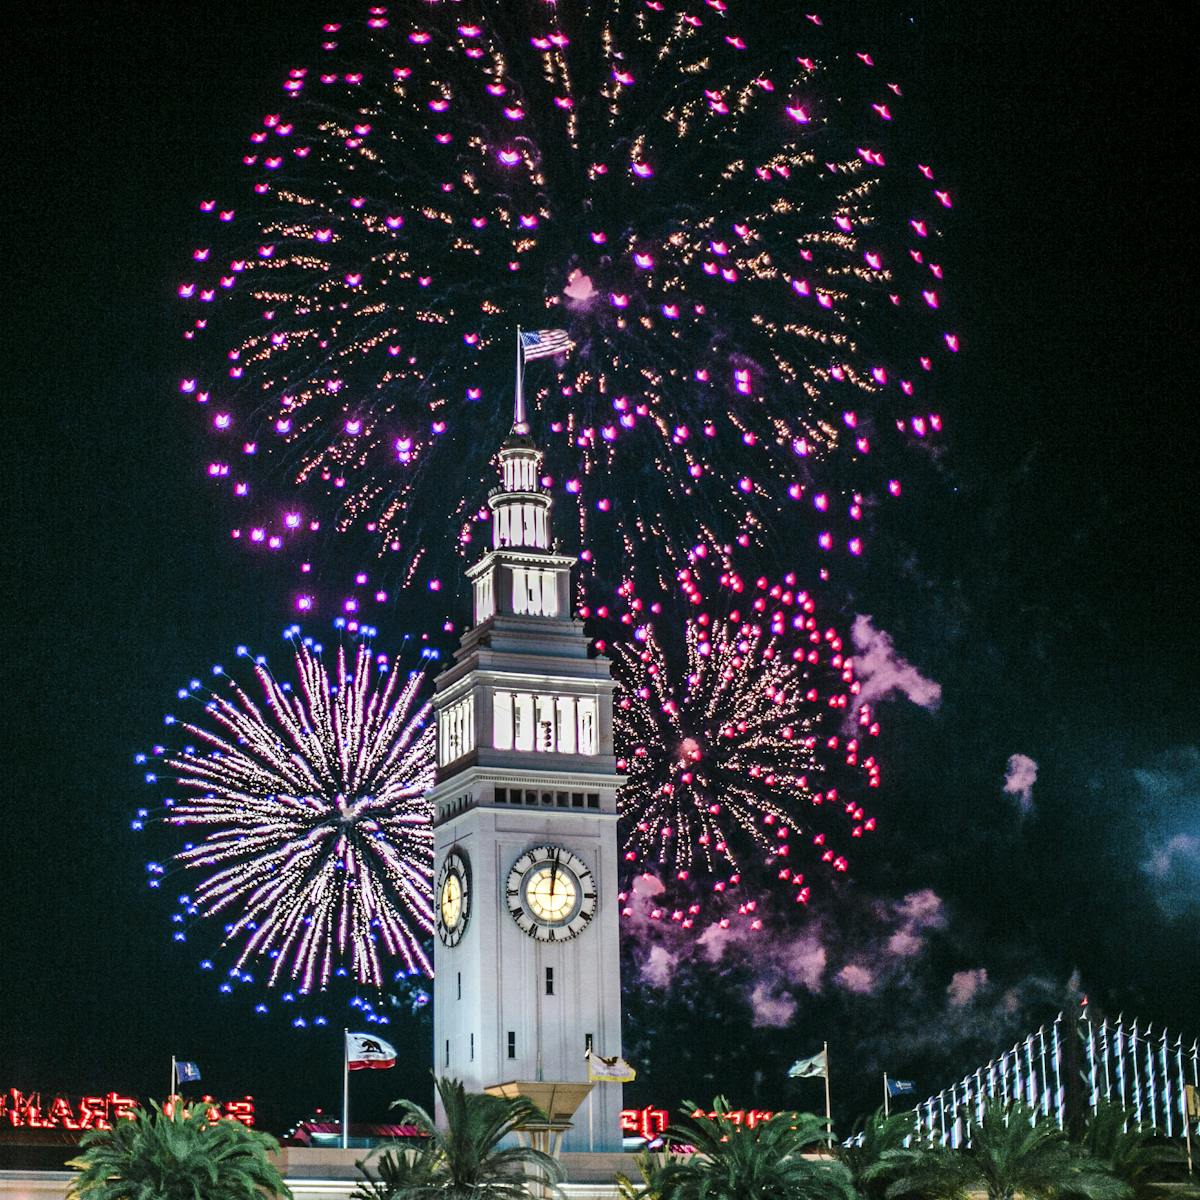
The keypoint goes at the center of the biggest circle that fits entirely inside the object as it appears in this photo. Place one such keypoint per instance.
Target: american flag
(544, 342)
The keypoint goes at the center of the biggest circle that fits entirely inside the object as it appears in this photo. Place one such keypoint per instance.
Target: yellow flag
(609, 1070)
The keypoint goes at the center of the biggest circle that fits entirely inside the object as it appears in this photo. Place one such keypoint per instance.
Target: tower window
(564, 715)
(549, 724)
(460, 985)
(456, 730)
(512, 1044)
(522, 721)
(447, 1052)
(593, 800)
(485, 598)
(472, 1047)
(535, 589)
(502, 720)
(588, 1041)
(586, 711)
(549, 981)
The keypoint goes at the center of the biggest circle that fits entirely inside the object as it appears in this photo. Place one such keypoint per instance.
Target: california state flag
(366, 1052)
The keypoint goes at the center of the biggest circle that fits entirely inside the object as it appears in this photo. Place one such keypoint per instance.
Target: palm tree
(1013, 1153)
(767, 1162)
(398, 1173)
(176, 1154)
(465, 1161)
(654, 1170)
(1136, 1155)
(879, 1135)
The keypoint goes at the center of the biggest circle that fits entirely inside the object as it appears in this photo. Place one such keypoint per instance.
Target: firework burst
(745, 748)
(747, 271)
(309, 842)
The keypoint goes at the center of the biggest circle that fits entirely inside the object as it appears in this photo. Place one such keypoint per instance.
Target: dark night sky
(1047, 578)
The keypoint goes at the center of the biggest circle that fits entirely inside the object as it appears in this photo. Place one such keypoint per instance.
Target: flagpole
(519, 394)
(1187, 1127)
(171, 1089)
(828, 1104)
(345, 1088)
(886, 1113)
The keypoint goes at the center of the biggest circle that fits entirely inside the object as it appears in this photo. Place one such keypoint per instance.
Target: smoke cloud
(883, 672)
(1019, 778)
(965, 986)
(1170, 811)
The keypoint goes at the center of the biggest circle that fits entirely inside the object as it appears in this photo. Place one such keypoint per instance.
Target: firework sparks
(309, 837)
(747, 271)
(737, 739)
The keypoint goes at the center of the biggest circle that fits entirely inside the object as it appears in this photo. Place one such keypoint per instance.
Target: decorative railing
(1065, 1073)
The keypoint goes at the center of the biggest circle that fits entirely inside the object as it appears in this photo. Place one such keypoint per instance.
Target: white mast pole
(171, 1089)
(345, 1089)
(519, 394)
(828, 1104)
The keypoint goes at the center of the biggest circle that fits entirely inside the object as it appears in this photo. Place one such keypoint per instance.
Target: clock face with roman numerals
(453, 898)
(551, 894)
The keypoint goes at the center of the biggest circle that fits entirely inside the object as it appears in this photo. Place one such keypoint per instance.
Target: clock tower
(527, 964)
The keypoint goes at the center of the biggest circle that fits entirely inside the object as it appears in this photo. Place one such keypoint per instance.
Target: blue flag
(187, 1072)
(901, 1087)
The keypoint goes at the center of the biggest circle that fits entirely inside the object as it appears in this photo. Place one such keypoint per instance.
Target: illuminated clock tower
(527, 965)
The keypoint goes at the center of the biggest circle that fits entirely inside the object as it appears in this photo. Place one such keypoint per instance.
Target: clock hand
(554, 872)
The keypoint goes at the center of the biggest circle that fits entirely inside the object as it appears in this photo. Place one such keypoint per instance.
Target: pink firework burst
(746, 749)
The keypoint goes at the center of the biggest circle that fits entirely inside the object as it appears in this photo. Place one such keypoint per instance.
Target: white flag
(816, 1067)
(366, 1052)
(542, 343)
(608, 1070)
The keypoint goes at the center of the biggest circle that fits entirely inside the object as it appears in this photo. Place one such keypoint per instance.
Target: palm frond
(179, 1154)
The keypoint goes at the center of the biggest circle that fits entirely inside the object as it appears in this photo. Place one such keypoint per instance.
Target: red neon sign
(650, 1123)
(646, 1123)
(27, 1110)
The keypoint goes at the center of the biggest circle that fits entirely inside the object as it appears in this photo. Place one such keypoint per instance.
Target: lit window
(485, 598)
(586, 724)
(456, 730)
(544, 706)
(502, 711)
(522, 721)
(565, 717)
(535, 592)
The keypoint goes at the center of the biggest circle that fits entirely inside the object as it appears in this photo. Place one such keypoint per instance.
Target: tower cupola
(520, 506)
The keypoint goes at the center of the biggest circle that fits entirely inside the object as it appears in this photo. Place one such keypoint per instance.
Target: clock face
(453, 898)
(551, 894)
